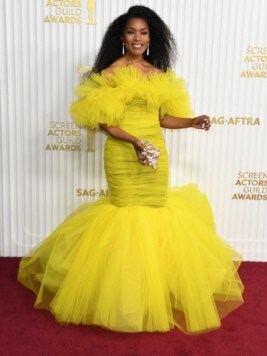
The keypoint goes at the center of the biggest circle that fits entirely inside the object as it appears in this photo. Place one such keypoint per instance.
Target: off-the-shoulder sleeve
(103, 97)
(175, 99)
(99, 103)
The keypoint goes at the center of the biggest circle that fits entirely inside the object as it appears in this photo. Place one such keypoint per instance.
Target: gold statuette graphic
(91, 12)
(90, 141)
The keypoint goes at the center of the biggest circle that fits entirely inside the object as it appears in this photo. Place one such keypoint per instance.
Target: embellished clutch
(149, 155)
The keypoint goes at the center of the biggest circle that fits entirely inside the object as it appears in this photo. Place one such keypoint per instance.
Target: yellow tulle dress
(146, 258)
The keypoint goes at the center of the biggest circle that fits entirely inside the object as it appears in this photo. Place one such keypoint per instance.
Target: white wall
(39, 65)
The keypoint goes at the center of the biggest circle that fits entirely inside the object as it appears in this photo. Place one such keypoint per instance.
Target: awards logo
(255, 60)
(235, 120)
(251, 186)
(65, 136)
(70, 12)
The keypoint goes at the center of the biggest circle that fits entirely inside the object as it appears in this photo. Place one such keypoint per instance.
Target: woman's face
(136, 36)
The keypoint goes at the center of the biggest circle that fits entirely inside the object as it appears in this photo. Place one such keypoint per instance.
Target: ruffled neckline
(103, 96)
(131, 69)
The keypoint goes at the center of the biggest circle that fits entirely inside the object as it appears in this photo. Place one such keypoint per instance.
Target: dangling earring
(147, 50)
(123, 50)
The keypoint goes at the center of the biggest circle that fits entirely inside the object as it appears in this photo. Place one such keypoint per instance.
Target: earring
(123, 50)
(147, 51)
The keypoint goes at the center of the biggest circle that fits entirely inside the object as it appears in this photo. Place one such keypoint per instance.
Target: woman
(145, 258)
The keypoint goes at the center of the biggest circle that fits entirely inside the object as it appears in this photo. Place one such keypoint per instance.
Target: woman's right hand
(120, 134)
(138, 146)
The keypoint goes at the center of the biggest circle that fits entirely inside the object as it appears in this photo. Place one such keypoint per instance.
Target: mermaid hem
(152, 269)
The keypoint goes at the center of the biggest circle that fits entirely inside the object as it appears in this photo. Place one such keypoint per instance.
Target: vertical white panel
(4, 161)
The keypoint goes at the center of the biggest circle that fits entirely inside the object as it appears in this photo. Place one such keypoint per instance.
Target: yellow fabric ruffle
(137, 268)
(103, 97)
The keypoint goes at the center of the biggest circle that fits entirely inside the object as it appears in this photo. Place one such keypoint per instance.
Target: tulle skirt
(137, 268)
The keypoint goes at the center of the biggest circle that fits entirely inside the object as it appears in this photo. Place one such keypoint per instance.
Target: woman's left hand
(201, 122)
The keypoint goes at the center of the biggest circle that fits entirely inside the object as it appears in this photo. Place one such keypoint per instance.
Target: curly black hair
(162, 45)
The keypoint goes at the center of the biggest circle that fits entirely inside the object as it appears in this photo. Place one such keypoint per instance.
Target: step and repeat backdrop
(49, 166)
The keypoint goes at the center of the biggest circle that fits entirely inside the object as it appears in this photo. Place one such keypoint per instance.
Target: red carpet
(27, 331)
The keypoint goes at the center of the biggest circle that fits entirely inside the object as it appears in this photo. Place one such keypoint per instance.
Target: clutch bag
(149, 154)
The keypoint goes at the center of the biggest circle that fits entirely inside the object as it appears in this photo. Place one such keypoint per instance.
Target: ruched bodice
(129, 182)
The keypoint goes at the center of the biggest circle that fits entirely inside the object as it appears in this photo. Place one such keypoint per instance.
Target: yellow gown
(146, 258)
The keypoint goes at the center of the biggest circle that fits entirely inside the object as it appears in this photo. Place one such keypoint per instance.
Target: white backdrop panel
(49, 166)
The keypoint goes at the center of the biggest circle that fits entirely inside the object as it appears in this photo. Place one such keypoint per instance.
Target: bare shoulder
(119, 62)
(150, 68)
(157, 70)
